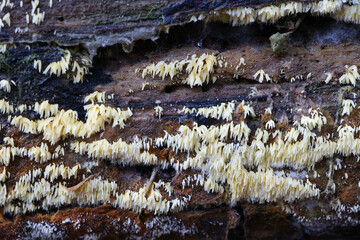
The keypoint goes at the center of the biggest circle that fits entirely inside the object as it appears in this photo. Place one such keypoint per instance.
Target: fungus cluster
(261, 76)
(351, 75)
(63, 66)
(158, 111)
(347, 11)
(222, 111)
(198, 69)
(65, 123)
(6, 85)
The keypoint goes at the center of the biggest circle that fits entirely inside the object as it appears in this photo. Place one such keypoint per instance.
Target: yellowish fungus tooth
(65, 123)
(6, 85)
(222, 111)
(38, 65)
(268, 14)
(158, 111)
(261, 76)
(95, 97)
(6, 18)
(351, 75)
(348, 14)
(328, 77)
(3, 176)
(198, 69)
(6, 107)
(348, 106)
(270, 124)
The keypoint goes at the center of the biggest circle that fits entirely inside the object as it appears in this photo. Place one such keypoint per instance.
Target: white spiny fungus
(328, 77)
(347, 11)
(80, 70)
(38, 64)
(158, 111)
(253, 92)
(118, 151)
(38, 17)
(316, 119)
(6, 18)
(268, 14)
(3, 175)
(9, 141)
(65, 123)
(326, 7)
(63, 67)
(348, 105)
(198, 69)
(45, 109)
(351, 75)
(39, 154)
(154, 201)
(268, 110)
(6, 85)
(3, 48)
(95, 97)
(246, 109)
(348, 14)
(261, 76)
(222, 111)
(6, 107)
(53, 171)
(270, 124)
(144, 84)
(241, 63)
(59, 67)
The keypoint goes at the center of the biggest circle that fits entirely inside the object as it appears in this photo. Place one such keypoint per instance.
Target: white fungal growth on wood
(3, 175)
(6, 107)
(198, 69)
(38, 17)
(95, 97)
(64, 67)
(328, 77)
(22, 108)
(59, 67)
(6, 85)
(241, 63)
(348, 105)
(348, 14)
(260, 76)
(80, 70)
(348, 11)
(6, 18)
(351, 75)
(316, 119)
(65, 123)
(246, 109)
(222, 111)
(45, 109)
(38, 64)
(158, 111)
(270, 124)
(3, 48)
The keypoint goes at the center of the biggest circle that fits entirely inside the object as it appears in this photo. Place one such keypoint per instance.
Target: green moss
(29, 59)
